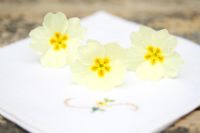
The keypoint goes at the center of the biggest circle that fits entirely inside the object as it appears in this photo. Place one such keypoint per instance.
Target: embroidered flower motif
(152, 54)
(102, 105)
(99, 66)
(57, 40)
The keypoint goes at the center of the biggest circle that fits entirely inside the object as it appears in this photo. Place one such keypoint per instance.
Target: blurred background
(180, 17)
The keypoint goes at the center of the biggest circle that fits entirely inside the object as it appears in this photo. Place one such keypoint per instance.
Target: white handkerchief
(45, 100)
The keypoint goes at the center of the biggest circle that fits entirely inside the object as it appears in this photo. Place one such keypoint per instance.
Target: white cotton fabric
(33, 96)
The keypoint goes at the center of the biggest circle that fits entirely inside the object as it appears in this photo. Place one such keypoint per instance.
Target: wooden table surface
(180, 17)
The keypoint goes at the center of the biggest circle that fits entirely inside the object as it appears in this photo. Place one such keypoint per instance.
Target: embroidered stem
(68, 104)
(101, 105)
(133, 106)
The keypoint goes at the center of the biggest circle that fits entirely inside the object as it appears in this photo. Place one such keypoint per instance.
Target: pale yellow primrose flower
(152, 54)
(57, 39)
(99, 66)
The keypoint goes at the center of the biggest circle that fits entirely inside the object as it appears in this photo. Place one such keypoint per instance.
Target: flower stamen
(58, 41)
(101, 66)
(154, 55)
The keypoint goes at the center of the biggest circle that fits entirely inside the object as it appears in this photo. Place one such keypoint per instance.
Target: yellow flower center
(154, 55)
(101, 66)
(59, 41)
